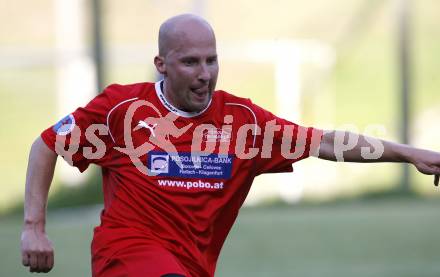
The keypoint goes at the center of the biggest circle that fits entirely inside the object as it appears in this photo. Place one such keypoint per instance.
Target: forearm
(38, 180)
(351, 147)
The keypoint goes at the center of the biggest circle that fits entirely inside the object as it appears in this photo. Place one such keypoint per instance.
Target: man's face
(190, 69)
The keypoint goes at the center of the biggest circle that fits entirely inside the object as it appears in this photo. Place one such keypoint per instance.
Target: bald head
(187, 61)
(177, 29)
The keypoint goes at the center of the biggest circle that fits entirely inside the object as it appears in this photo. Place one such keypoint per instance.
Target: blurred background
(369, 66)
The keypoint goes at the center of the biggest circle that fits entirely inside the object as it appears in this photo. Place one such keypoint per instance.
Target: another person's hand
(36, 250)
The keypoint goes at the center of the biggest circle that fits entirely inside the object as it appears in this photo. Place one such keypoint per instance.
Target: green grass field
(388, 237)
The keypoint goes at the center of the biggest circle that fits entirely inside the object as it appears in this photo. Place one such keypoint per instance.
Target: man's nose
(204, 74)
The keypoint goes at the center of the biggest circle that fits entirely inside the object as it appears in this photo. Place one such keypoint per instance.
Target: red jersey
(174, 179)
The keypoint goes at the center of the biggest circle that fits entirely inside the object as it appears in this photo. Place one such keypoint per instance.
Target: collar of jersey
(173, 109)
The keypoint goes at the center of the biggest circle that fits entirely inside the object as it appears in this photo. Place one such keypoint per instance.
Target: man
(178, 160)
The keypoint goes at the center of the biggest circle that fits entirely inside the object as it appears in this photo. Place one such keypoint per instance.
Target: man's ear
(159, 62)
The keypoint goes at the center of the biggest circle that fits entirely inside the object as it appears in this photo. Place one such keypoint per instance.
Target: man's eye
(211, 61)
(189, 62)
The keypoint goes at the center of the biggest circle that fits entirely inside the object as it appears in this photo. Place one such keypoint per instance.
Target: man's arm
(36, 248)
(351, 147)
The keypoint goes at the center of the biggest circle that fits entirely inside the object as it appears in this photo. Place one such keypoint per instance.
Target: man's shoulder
(242, 106)
(121, 92)
(226, 97)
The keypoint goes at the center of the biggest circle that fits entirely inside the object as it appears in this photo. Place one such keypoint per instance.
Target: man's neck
(168, 102)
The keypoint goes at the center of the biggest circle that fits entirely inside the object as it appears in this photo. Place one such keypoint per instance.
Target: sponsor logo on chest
(188, 165)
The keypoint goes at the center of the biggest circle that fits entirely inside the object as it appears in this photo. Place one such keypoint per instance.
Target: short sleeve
(82, 137)
(283, 142)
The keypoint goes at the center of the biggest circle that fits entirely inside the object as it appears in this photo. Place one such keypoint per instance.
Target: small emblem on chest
(143, 124)
(215, 135)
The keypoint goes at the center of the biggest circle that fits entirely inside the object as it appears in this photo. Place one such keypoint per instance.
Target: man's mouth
(200, 93)
(199, 90)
